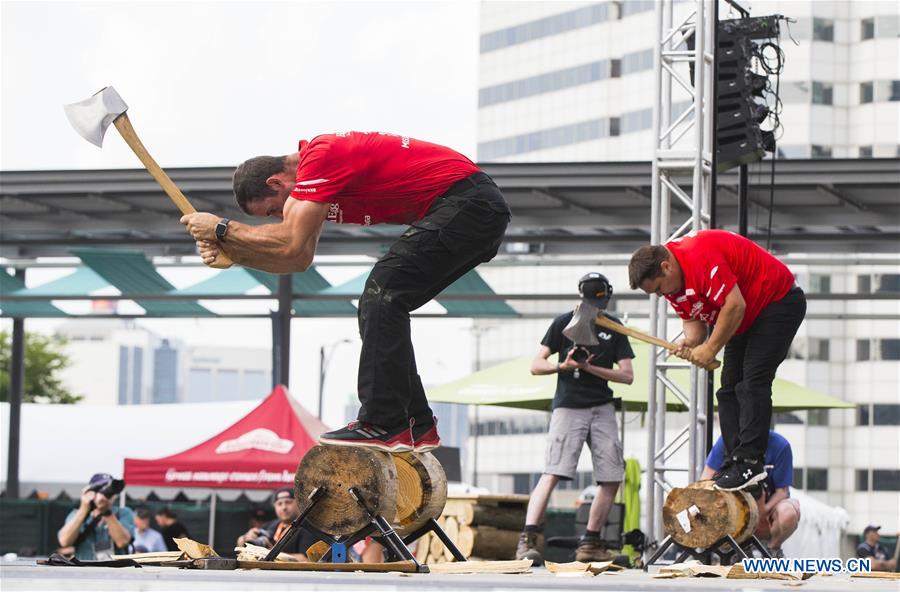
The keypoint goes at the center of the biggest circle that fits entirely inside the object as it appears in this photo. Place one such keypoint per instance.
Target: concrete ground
(26, 575)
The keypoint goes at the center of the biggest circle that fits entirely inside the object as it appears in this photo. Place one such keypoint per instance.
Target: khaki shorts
(571, 428)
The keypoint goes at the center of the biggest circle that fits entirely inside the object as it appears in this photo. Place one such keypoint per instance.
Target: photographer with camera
(583, 412)
(98, 528)
(286, 510)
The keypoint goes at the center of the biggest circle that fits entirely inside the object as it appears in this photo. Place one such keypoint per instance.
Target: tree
(44, 359)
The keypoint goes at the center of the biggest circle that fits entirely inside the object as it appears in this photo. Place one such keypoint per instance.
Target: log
(422, 490)
(423, 548)
(503, 517)
(436, 547)
(487, 542)
(451, 529)
(338, 468)
(698, 515)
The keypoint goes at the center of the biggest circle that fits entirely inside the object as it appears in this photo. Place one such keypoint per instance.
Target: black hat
(871, 528)
(284, 492)
(595, 289)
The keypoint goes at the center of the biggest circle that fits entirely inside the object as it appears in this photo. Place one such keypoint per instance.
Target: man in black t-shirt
(582, 413)
(170, 528)
(872, 547)
(286, 511)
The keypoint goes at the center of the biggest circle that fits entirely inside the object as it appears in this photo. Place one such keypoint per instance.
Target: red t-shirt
(712, 262)
(372, 178)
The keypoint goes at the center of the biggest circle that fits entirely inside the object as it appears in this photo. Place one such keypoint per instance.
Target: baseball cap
(284, 492)
(871, 528)
(100, 478)
(595, 289)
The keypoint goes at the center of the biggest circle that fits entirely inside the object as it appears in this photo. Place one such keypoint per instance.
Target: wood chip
(572, 566)
(256, 553)
(195, 550)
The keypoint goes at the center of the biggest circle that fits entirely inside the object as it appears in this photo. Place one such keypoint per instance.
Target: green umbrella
(511, 384)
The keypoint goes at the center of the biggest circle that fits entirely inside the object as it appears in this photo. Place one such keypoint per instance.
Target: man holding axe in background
(457, 219)
(718, 278)
(582, 413)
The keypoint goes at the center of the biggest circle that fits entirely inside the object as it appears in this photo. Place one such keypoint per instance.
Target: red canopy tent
(260, 451)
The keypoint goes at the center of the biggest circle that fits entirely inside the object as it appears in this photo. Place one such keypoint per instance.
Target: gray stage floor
(24, 575)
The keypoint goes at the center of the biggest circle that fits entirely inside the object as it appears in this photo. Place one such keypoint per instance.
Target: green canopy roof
(8, 285)
(511, 385)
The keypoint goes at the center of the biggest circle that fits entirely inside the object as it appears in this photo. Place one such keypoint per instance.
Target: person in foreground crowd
(583, 412)
(171, 528)
(98, 528)
(718, 278)
(146, 539)
(779, 513)
(286, 510)
(456, 216)
(872, 547)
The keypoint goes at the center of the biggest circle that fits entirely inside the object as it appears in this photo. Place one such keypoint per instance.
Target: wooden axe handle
(123, 124)
(614, 326)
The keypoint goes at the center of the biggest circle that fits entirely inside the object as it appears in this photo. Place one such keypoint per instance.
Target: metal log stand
(726, 548)
(398, 547)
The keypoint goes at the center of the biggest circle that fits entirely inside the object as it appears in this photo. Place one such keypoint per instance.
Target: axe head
(92, 116)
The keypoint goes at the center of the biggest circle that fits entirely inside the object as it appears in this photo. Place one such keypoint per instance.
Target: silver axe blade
(92, 116)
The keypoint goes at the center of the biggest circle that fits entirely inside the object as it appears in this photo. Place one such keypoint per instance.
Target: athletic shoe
(592, 549)
(367, 435)
(742, 474)
(725, 464)
(527, 548)
(425, 436)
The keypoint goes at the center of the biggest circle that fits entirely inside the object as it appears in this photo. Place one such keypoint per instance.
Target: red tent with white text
(260, 451)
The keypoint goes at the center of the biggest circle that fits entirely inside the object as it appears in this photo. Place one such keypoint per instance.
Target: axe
(614, 326)
(92, 116)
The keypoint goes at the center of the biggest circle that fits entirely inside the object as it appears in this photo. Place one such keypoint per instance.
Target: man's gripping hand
(201, 225)
(210, 251)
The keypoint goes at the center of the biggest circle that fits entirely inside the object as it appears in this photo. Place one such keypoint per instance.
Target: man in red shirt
(456, 216)
(718, 278)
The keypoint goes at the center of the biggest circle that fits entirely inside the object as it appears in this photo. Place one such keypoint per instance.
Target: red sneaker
(425, 436)
(367, 435)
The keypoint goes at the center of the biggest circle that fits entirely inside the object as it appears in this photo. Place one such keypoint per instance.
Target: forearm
(271, 247)
(695, 333)
(610, 375)
(780, 494)
(542, 366)
(117, 532)
(69, 532)
(729, 320)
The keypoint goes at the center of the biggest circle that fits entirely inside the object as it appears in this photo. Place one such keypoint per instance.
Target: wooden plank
(401, 566)
(153, 557)
(497, 567)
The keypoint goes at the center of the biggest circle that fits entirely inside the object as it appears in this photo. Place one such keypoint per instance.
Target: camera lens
(579, 354)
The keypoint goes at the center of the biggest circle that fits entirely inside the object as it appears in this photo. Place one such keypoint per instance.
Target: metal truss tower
(682, 169)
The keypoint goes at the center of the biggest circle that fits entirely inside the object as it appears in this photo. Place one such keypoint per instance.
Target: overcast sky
(212, 83)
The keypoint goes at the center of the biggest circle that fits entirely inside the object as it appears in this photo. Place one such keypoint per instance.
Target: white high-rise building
(573, 81)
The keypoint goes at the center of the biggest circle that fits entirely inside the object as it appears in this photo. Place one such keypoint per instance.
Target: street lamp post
(324, 360)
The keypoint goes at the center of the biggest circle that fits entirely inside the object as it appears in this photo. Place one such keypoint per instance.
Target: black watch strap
(222, 229)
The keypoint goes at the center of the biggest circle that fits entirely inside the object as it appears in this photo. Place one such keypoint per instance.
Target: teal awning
(132, 273)
(9, 284)
(310, 281)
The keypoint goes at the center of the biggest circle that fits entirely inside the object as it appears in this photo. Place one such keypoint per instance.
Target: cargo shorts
(570, 429)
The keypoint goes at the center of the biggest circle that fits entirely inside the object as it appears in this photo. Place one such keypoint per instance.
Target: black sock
(532, 528)
(595, 534)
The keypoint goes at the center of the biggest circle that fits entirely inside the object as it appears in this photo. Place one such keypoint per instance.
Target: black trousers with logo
(751, 359)
(463, 227)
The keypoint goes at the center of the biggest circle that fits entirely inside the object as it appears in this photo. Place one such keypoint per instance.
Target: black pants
(751, 359)
(463, 227)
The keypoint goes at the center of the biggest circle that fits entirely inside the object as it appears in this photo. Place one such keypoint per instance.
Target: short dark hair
(167, 512)
(143, 513)
(249, 180)
(646, 264)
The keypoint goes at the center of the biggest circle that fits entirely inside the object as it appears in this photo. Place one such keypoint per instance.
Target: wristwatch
(222, 229)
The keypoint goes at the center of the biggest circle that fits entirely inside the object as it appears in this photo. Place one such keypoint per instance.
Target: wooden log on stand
(338, 468)
(698, 515)
(421, 492)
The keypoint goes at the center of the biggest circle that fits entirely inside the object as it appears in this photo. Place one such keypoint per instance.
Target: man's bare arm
(279, 248)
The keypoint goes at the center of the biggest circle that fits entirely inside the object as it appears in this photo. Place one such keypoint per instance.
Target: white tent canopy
(61, 446)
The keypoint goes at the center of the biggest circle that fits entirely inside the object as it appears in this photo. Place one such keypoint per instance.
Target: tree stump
(422, 490)
(487, 542)
(338, 468)
(698, 515)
